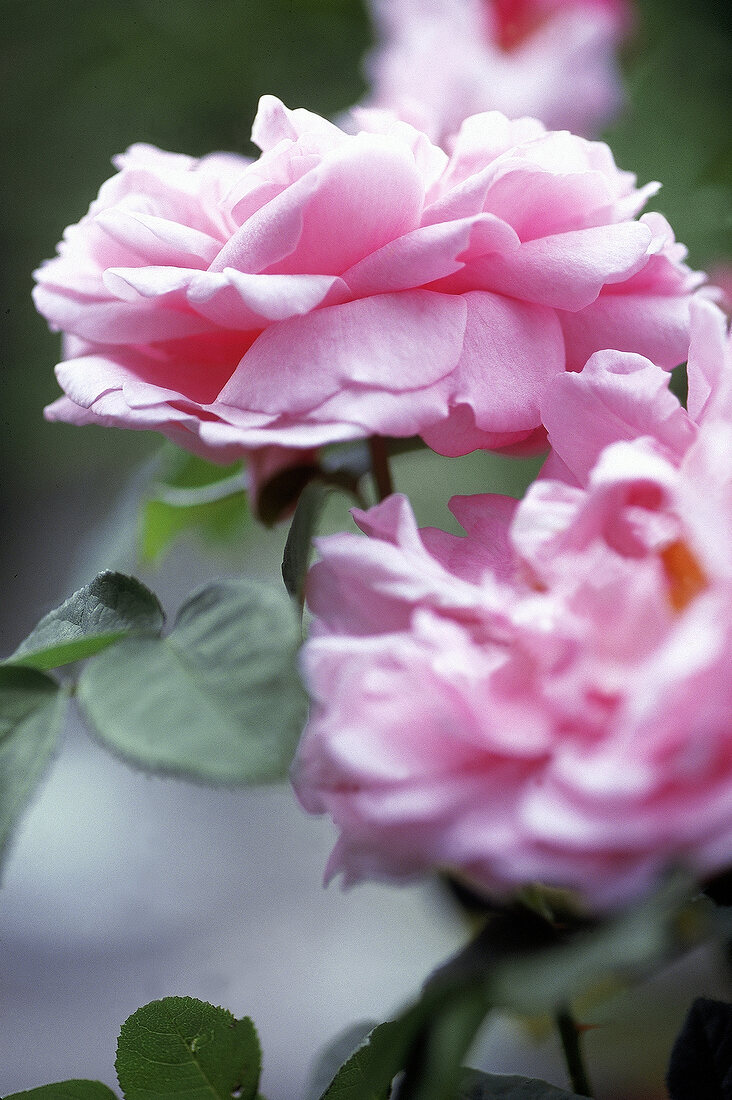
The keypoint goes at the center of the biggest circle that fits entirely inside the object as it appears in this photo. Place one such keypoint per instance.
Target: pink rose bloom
(549, 697)
(348, 285)
(439, 61)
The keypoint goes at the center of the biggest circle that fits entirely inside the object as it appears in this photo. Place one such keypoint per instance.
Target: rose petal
(394, 342)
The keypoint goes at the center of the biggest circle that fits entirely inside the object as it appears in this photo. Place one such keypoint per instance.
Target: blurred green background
(81, 80)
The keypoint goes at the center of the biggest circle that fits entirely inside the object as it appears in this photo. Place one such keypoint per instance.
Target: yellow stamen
(685, 576)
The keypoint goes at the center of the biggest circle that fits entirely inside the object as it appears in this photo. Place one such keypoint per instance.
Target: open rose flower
(348, 285)
(548, 697)
(439, 61)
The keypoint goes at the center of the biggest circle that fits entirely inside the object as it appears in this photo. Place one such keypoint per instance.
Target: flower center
(512, 22)
(685, 576)
(517, 20)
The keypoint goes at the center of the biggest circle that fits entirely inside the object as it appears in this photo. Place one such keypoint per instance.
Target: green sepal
(429, 1041)
(608, 952)
(298, 546)
(361, 1077)
(279, 496)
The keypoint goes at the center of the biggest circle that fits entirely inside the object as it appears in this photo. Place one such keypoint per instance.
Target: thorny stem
(570, 1038)
(380, 467)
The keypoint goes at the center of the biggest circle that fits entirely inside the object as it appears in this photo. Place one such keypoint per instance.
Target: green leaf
(98, 615)
(333, 1055)
(67, 1090)
(429, 1041)
(361, 1077)
(217, 522)
(191, 495)
(219, 699)
(187, 472)
(433, 1068)
(300, 537)
(180, 1047)
(490, 1086)
(31, 709)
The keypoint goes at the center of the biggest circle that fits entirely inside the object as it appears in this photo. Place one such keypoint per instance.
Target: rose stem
(570, 1037)
(380, 467)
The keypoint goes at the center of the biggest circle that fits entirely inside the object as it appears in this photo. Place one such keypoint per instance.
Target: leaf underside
(218, 700)
(31, 712)
(98, 615)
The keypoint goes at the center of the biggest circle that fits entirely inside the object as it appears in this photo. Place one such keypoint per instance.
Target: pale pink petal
(538, 203)
(391, 521)
(369, 342)
(547, 697)
(236, 300)
(457, 433)
(443, 60)
(365, 411)
(158, 240)
(274, 123)
(486, 520)
(367, 194)
(568, 271)
(616, 397)
(86, 378)
(356, 199)
(656, 327)
(429, 253)
(115, 321)
(709, 368)
(272, 231)
(350, 284)
(502, 339)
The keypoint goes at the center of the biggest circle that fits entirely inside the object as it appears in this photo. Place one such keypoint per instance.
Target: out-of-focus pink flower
(345, 285)
(721, 276)
(548, 697)
(439, 61)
